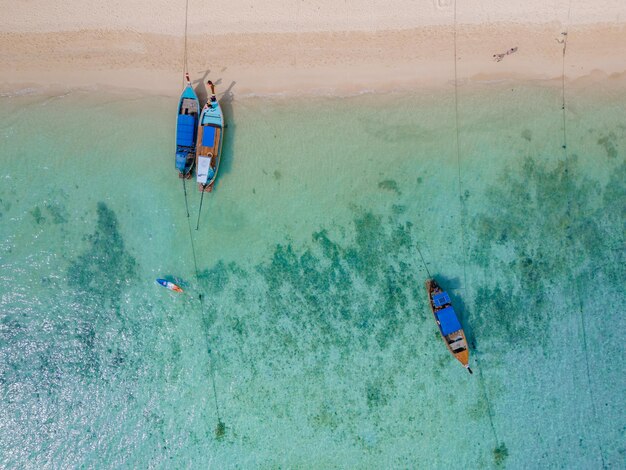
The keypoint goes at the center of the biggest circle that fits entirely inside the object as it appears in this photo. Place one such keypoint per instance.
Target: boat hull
(448, 324)
(186, 131)
(209, 145)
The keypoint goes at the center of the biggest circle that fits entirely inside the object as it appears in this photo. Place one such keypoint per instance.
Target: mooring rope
(219, 430)
(481, 378)
(590, 388)
(481, 382)
(564, 126)
(458, 152)
(220, 424)
(193, 248)
(423, 261)
(185, 70)
(185, 193)
(581, 315)
(200, 209)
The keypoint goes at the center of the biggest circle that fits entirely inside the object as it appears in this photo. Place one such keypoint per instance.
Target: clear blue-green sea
(304, 338)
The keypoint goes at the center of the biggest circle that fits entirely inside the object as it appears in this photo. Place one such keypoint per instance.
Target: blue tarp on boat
(441, 299)
(208, 136)
(448, 321)
(185, 130)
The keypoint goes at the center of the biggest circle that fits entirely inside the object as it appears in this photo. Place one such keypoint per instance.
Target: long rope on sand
(185, 70)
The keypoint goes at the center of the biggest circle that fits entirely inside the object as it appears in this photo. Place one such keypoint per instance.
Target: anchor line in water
(193, 249)
(423, 261)
(481, 381)
(458, 152)
(200, 209)
(481, 378)
(220, 424)
(583, 332)
(211, 367)
(185, 193)
(202, 312)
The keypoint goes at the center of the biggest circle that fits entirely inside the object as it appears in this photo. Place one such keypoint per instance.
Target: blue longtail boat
(448, 323)
(186, 128)
(209, 149)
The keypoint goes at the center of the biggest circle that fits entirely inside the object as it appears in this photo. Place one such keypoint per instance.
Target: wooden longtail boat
(186, 130)
(448, 323)
(209, 148)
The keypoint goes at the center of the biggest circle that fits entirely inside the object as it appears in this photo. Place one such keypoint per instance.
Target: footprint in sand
(499, 57)
(443, 4)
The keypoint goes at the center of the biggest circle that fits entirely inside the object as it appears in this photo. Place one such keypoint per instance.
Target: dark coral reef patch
(102, 271)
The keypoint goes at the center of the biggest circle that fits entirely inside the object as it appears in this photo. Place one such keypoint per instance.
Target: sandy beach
(317, 48)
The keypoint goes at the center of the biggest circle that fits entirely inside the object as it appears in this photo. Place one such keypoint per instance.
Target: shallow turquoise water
(314, 346)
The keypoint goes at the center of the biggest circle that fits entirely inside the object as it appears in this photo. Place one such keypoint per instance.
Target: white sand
(293, 46)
